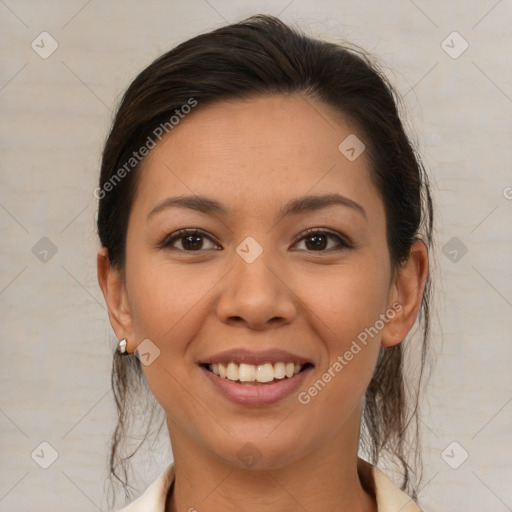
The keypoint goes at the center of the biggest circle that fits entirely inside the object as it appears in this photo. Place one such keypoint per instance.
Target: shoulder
(388, 496)
(153, 498)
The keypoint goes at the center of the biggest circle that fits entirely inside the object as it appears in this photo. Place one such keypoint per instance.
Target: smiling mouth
(251, 374)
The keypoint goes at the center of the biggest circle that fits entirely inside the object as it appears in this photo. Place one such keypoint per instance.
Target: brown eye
(318, 241)
(192, 242)
(189, 240)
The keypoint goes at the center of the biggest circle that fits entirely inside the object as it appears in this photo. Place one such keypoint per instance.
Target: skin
(253, 156)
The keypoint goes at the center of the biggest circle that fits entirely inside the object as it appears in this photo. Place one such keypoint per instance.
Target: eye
(317, 240)
(189, 239)
(195, 240)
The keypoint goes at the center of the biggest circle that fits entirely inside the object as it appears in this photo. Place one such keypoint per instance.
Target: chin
(260, 451)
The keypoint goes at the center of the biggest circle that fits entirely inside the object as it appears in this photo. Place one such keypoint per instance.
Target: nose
(256, 295)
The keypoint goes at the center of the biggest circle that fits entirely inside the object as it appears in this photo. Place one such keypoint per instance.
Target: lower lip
(260, 394)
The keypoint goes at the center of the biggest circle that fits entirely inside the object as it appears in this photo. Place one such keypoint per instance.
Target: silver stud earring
(121, 347)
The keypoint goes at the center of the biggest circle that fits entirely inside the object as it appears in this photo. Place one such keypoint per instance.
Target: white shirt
(389, 497)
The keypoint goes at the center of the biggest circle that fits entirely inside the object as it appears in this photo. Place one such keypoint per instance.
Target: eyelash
(343, 243)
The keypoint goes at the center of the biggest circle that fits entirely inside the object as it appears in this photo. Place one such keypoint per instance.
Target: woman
(265, 226)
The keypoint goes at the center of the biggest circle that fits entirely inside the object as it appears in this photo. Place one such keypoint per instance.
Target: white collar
(389, 497)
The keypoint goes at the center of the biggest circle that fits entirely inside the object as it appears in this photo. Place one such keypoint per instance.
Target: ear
(112, 285)
(406, 293)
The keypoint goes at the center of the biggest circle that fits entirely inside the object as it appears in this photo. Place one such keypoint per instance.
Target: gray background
(55, 337)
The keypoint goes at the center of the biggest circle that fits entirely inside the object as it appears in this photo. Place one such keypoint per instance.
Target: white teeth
(232, 371)
(264, 372)
(279, 372)
(255, 373)
(246, 373)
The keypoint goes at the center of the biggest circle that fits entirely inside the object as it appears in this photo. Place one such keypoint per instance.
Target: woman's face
(290, 265)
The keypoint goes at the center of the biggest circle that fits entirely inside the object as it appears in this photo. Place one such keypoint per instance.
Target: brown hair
(258, 56)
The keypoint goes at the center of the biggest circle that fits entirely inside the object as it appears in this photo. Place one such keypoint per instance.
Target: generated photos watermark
(305, 397)
(151, 142)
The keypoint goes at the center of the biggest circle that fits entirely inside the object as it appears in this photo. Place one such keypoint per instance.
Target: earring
(121, 347)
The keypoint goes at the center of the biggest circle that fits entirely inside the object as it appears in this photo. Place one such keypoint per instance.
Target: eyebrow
(296, 206)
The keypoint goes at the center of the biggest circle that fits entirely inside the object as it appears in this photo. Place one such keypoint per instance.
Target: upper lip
(242, 355)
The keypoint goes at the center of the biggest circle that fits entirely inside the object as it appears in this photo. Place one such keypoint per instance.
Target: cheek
(345, 308)
(165, 298)
(168, 308)
(346, 299)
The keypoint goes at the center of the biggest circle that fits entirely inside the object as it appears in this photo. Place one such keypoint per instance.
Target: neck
(325, 478)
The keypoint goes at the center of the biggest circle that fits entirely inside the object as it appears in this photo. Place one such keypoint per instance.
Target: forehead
(258, 152)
